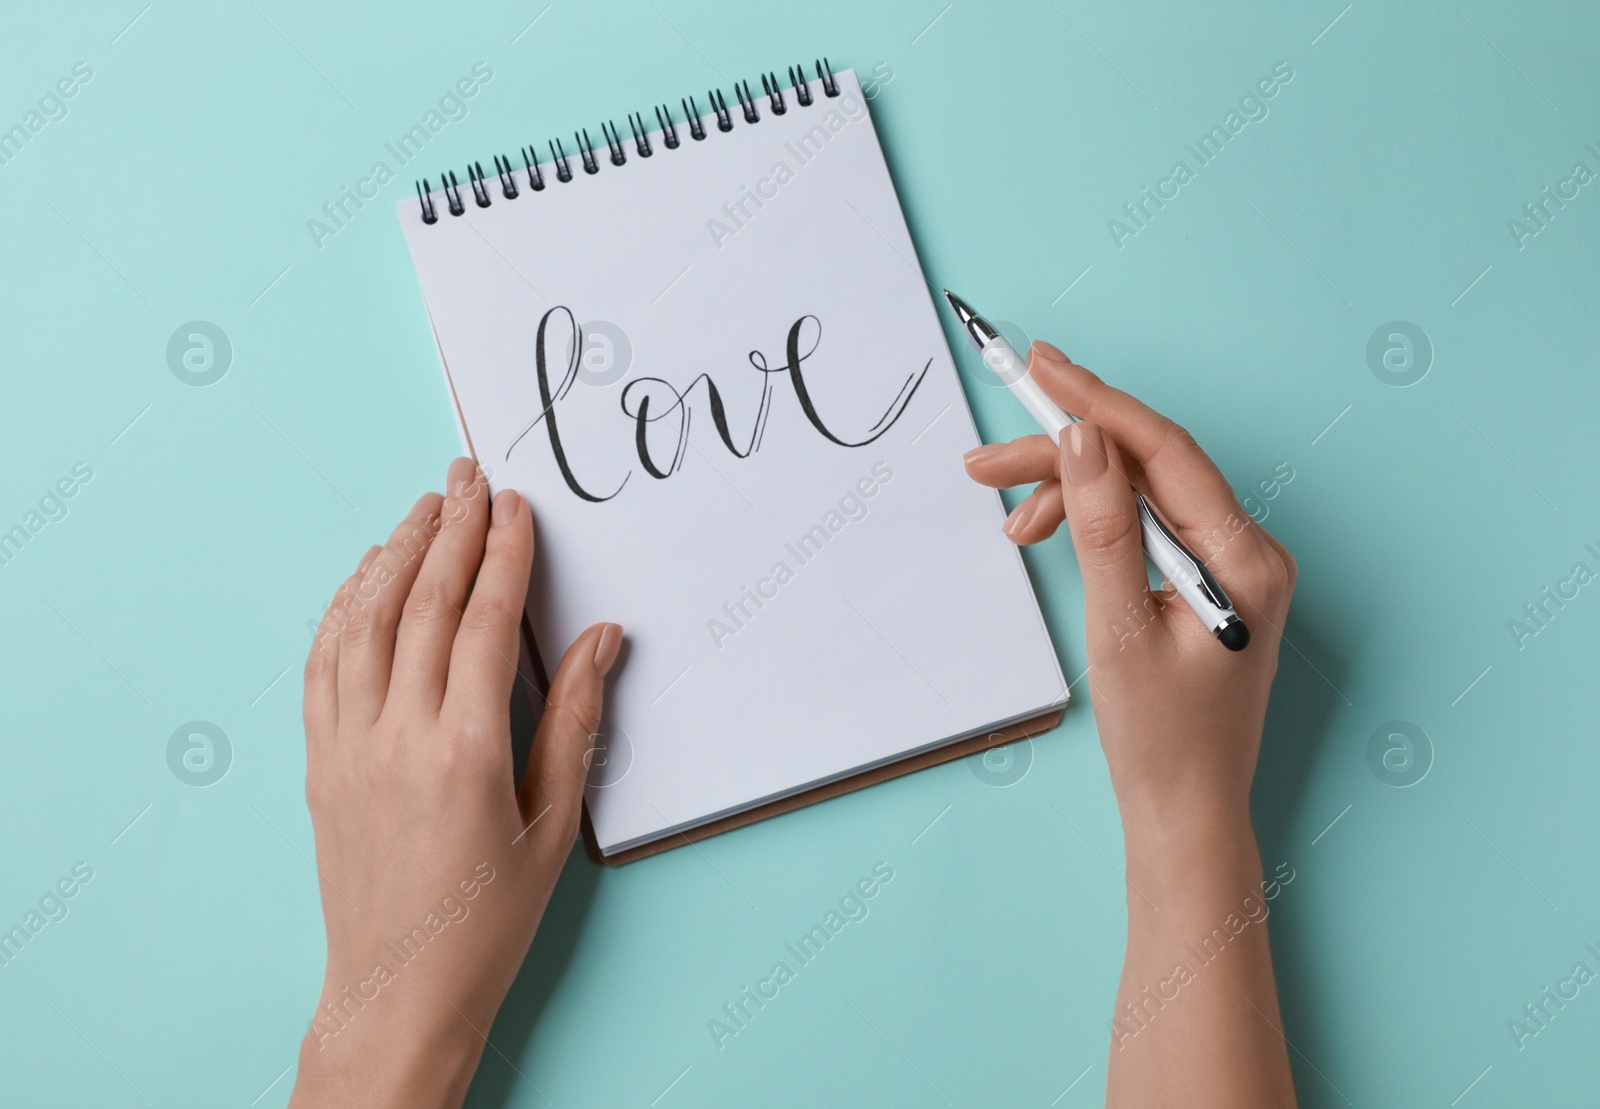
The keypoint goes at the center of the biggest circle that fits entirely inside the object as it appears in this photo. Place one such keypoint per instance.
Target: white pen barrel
(1012, 370)
(1179, 566)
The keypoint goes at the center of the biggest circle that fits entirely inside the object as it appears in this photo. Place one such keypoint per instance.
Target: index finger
(1192, 492)
(483, 659)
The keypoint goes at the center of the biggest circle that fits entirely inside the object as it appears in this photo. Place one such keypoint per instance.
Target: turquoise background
(180, 585)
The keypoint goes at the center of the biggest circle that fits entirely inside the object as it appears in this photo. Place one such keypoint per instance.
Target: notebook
(706, 355)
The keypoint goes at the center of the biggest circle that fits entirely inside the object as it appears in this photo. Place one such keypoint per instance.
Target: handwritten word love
(647, 400)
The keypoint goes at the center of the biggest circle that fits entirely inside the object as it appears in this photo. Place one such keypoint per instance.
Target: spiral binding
(478, 181)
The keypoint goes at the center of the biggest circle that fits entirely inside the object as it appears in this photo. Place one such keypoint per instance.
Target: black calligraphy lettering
(891, 415)
(547, 402)
(642, 419)
(647, 400)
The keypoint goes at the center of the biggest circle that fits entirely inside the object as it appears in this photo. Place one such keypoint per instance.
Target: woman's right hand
(1180, 719)
(1180, 716)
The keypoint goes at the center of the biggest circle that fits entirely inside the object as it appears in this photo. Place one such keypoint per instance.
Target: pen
(1186, 572)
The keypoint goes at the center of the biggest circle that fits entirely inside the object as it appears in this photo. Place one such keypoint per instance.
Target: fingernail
(1046, 350)
(978, 454)
(506, 507)
(1083, 453)
(605, 652)
(366, 560)
(460, 476)
(1019, 518)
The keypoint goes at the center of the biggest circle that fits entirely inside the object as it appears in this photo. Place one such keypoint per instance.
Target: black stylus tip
(1234, 635)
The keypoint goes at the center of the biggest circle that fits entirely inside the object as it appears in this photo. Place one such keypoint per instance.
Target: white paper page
(905, 620)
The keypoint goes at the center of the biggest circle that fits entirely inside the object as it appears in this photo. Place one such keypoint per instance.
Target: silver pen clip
(1200, 575)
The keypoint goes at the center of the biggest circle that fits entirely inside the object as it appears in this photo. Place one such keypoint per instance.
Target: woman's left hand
(435, 865)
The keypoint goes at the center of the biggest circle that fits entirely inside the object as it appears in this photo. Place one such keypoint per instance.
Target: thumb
(1104, 522)
(564, 746)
